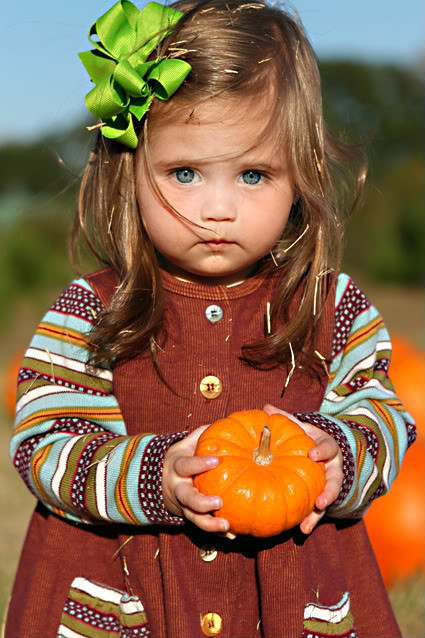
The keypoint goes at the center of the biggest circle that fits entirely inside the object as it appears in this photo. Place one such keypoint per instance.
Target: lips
(217, 244)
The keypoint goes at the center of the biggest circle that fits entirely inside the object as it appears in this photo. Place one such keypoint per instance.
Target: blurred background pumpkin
(9, 382)
(407, 373)
(396, 521)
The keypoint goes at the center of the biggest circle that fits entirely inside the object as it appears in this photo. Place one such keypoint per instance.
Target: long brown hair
(262, 46)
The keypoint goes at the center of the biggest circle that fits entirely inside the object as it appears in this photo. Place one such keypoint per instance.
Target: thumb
(270, 409)
(193, 437)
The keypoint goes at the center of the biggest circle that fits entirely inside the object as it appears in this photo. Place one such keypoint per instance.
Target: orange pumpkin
(264, 477)
(407, 373)
(9, 382)
(396, 522)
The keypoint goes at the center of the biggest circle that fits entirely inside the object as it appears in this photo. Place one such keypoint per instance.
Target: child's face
(205, 168)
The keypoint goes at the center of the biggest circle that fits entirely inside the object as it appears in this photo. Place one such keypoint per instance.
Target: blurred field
(403, 310)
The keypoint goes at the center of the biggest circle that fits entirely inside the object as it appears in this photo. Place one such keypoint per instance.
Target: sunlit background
(371, 59)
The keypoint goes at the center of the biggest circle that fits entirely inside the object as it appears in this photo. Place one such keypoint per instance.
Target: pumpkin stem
(262, 454)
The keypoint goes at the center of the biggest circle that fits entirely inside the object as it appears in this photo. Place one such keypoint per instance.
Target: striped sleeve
(70, 443)
(360, 409)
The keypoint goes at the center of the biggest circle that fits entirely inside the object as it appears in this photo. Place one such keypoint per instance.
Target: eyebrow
(248, 162)
(180, 161)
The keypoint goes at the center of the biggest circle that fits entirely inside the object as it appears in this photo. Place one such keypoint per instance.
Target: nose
(218, 205)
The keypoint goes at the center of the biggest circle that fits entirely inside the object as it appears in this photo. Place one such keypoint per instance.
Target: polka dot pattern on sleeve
(78, 302)
(352, 304)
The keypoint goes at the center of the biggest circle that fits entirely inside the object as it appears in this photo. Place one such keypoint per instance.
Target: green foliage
(38, 185)
(34, 256)
(395, 247)
(382, 107)
(47, 166)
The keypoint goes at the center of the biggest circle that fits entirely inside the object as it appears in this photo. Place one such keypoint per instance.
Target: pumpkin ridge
(258, 503)
(234, 478)
(304, 481)
(307, 466)
(244, 452)
(245, 422)
(237, 429)
(300, 481)
(302, 436)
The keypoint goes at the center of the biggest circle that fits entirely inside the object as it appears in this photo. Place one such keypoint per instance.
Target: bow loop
(97, 66)
(130, 80)
(166, 77)
(126, 82)
(107, 98)
(115, 33)
(121, 129)
(154, 23)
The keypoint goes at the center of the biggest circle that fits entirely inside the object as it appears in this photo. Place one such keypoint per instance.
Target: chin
(224, 277)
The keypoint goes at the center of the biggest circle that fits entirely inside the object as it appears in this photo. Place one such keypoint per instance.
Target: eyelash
(262, 175)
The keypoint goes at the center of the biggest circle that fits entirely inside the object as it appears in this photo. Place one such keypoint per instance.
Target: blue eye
(251, 177)
(185, 175)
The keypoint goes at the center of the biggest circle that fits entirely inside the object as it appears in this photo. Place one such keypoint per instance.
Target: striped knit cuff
(150, 481)
(329, 426)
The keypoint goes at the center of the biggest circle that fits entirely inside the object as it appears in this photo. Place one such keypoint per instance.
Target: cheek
(155, 212)
(164, 229)
(185, 201)
(270, 217)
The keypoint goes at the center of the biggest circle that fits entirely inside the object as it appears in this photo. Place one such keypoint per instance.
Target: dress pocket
(93, 610)
(329, 621)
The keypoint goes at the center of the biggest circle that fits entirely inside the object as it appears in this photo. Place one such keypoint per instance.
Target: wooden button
(211, 387)
(211, 624)
(208, 553)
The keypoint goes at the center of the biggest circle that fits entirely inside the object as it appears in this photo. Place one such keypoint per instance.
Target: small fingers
(271, 409)
(230, 535)
(332, 489)
(207, 522)
(196, 507)
(310, 521)
(191, 498)
(187, 466)
(326, 449)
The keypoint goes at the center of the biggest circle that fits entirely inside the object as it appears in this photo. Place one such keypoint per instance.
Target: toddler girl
(211, 199)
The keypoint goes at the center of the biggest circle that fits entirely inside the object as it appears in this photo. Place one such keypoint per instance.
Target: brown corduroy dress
(275, 587)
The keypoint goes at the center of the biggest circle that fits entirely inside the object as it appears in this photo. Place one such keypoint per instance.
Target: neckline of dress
(214, 292)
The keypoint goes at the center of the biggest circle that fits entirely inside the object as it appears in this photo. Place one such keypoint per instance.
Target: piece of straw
(316, 287)
(298, 239)
(130, 538)
(323, 360)
(269, 323)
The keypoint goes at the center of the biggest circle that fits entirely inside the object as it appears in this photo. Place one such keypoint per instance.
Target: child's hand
(180, 496)
(327, 450)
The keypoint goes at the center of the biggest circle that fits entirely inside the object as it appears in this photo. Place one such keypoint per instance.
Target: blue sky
(44, 83)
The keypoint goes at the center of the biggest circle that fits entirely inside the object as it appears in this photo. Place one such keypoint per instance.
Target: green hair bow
(125, 82)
